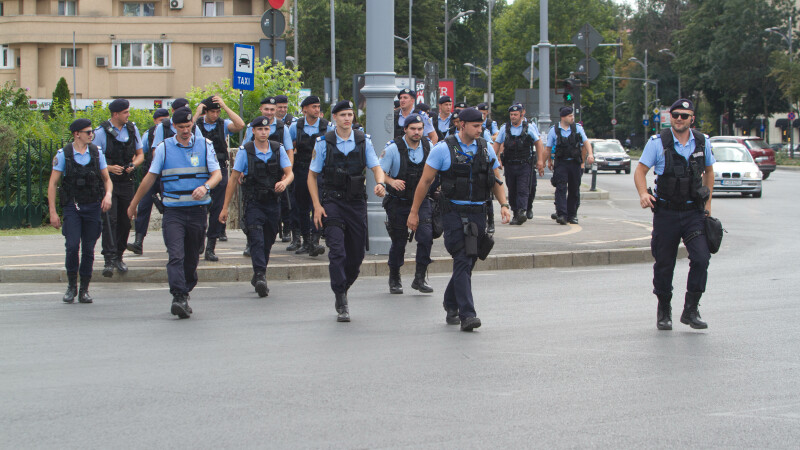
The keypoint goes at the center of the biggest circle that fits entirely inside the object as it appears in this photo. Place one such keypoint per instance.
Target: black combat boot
(305, 246)
(108, 268)
(470, 323)
(521, 215)
(395, 286)
(515, 219)
(72, 287)
(529, 213)
(211, 245)
(554, 216)
(83, 294)
(246, 252)
(120, 265)
(691, 316)
(180, 306)
(286, 235)
(342, 309)
(314, 248)
(223, 237)
(452, 317)
(664, 313)
(259, 282)
(295, 245)
(419, 282)
(136, 246)
(561, 220)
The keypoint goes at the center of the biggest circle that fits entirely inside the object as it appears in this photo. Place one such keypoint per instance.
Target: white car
(735, 170)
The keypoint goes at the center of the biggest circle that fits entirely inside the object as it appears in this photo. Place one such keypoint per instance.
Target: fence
(24, 176)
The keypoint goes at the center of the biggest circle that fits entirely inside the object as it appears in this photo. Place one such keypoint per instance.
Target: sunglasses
(683, 116)
(87, 132)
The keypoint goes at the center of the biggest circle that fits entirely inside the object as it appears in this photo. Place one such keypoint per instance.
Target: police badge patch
(55, 161)
(195, 161)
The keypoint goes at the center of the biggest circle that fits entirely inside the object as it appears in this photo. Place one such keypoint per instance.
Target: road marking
(37, 264)
(167, 288)
(572, 230)
(29, 293)
(590, 270)
(474, 274)
(32, 256)
(615, 240)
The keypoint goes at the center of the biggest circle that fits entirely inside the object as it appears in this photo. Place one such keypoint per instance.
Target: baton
(110, 231)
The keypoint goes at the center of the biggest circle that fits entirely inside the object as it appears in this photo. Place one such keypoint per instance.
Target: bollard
(594, 177)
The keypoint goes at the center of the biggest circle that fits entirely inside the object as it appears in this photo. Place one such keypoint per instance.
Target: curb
(315, 271)
(790, 168)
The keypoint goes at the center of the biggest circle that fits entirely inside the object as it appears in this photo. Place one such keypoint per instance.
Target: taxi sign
(244, 67)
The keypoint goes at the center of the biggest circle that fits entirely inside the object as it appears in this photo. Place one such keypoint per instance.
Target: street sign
(276, 3)
(273, 24)
(613, 121)
(656, 111)
(265, 50)
(532, 54)
(590, 68)
(243, 67)
(645, 122)
(791, 115)
(587, 39)
(657, 118)
(527, 73)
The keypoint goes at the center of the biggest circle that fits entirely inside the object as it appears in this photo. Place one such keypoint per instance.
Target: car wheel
(628, 171)
(619, 171)
(766, 175)
(757, 194)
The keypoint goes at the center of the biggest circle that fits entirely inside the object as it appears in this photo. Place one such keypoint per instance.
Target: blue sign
(645, 122)
(762, 128)
(657, 118)
(244, 67)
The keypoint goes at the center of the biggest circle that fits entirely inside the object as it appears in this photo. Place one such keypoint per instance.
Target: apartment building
(147, 51)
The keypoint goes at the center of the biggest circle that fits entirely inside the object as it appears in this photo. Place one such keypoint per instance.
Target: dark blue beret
(268, 100)
(179, 103)
(160, 112)
(445, 99)
(412, 119)
(515, 107)
(462, 105)
(281, 99)
(341, 106)
(565, 111)
(397, 103)
(79, 124)
(423, 107)
(259, 121)
(119, 105)
(210, 103)
(470, 115)
(182, 115)
(683, 103)
(454, 116)
(310, 100)
(408, 92)
(483, 107)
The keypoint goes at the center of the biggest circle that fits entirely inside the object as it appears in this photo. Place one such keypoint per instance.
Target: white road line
(21, 294)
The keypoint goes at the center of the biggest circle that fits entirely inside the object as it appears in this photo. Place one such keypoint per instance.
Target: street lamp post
(489, 63)
(447, 23)
(788, 38)
(407, 40)
(644, 66)
(488, 76)
(667, 52)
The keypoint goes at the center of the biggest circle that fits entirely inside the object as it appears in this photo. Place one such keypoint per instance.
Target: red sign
(157, 104)
(276, 3)
(447, 87)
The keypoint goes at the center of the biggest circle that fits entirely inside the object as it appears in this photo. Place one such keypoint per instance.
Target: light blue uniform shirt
(533, 131)
(492, 127)
(211, 126)
(345, 146)
(287, 139)
(552, 138)
(439, 159)
(653, 153)
(100, 136)
(146, 142)
(427, 128)
(240, 164)
(444, 124)
(307, 129)
(158, 134)
(390, 160)
(160, 155)
(83, 159)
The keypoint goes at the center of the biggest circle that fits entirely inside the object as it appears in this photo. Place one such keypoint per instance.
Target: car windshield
(754, 144)
(607, 147)
(724, 153)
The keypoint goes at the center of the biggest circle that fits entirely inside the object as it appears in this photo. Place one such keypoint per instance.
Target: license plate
(614, 163)
(731, 182)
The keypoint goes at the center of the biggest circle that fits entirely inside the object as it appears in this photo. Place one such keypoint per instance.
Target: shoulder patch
(319, 138)
(55, 160)
(61, 150)
(314, 154)
(383, 153)
(241, 147)
(209, 141)
(366, 136)
(655, 136)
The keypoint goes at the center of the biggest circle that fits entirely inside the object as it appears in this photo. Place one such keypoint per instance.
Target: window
(66, 57)
(6, 57)
(213, 9)
(141, 55)
(211, 57)
(138, 9)
(67, 8)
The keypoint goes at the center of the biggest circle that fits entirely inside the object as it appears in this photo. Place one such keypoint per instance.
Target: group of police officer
(449, 163)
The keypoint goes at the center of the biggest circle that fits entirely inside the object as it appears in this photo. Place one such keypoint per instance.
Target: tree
(61, 101)
(787, 74)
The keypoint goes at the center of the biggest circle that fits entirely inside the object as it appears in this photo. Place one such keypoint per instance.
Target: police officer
(459, 106)
(469, 168)
(516, 144)
(146, 205)
(304, 132)
(121, 144)
(282, 110)
(403, 160)
(455, 125)
(188, 169)
(441, 121)
(267, 172)
(407, 97)
(570, 149)
(217, 130)
(167, 128)
(82, 200)
(342, 156)
(683, 162)
(488, 124)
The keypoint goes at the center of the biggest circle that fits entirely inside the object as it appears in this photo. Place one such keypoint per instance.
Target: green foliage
(61, 105)
(787, 74)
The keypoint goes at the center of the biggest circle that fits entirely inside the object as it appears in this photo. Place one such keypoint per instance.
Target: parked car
(735, 170)
(762, 154)
(609, 155)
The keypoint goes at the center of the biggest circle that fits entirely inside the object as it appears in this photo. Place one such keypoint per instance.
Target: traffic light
(569, 90)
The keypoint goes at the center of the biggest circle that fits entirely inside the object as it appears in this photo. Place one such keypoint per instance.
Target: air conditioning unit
(101, 61)
(175, 4)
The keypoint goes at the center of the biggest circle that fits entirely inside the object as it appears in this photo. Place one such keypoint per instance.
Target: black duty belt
(675, 206)
(464, 209)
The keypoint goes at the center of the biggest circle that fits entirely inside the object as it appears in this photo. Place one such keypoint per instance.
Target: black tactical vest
(277, 136)
(119, 153)
(305, 143)
(518, 149)
(468, 179)
(408, 171)
(435, 123)
(682, 181)
(343, 175)
(259, 183)
(570, 146)
(81, 184)
(148, 152)
(217, 137)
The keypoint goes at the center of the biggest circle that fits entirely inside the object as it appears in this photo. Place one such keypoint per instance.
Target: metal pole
(489, 65)
(544, 69)
(791, 100)
(241, 114)
(533, 49)
(613, 104)
(446, 28)
(296, 58)
(410, 77)
(74, 78)
(334, 92)
(645, 95)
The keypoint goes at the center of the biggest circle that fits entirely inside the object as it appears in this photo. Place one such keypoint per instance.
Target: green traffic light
(568, 97)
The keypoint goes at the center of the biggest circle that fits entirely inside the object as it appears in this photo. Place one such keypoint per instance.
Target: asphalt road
(566, 358)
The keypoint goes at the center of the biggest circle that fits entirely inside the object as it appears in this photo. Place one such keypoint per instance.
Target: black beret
(281, 99)
(310, 100)
(462, 105)
(210, 103)
(397, 103)
(341, 106)
(423, 107)
(79, 124)
(454, 116)
(470, 115)
(445, 99)
(565, 111)
(483, 107)
(160, 112)
(683, 103)
(268, 100)
(515, 107)
(179, 103)
(259, 121)
(412, 119)
(182, 115)
(119, 105)
(407, 91)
